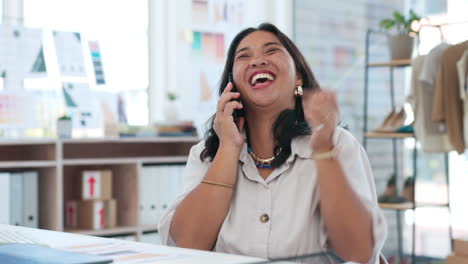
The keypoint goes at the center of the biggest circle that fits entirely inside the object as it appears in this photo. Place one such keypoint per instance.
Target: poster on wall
(21, 53)
(82, 105)
(217, 12)
(96, 59)
(207, 65)
(16, 109)
(214, 23)
(69, 51)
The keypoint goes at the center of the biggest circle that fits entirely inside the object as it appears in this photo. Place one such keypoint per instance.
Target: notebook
(35, 254)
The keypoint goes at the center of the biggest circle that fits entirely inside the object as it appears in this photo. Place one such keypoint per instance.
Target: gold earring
(298, 91)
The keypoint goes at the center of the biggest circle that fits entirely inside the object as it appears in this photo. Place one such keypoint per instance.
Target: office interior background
(149, 69)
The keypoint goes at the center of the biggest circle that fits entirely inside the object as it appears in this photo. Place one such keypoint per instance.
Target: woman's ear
(299, 79)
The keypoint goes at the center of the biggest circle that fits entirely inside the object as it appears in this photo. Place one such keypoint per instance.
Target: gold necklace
(264, 163)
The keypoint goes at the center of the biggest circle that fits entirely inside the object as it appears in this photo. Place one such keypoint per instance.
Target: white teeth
(262, 75)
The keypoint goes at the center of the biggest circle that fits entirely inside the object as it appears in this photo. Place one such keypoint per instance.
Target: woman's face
(264, 72)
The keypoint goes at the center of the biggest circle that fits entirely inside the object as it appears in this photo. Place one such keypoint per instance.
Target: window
(119, 27)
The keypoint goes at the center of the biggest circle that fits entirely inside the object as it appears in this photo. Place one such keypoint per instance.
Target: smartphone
(237, 112)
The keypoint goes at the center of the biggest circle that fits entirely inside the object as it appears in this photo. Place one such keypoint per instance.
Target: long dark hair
(290, 122)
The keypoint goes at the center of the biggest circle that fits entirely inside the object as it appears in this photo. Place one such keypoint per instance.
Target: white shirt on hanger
(430, 66)
(462, 69)
(421, 97)
(289, 197)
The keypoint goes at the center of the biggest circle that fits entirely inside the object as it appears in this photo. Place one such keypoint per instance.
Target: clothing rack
(440, 26)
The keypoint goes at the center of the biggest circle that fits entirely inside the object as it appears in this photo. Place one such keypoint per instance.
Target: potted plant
(170, 111)
(64, 127)
(401, 43)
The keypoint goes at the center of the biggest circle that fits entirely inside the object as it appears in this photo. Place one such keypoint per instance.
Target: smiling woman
(283, 179)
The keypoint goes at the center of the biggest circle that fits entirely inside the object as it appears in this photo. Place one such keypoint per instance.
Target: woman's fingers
(230, 106)
(226, 97)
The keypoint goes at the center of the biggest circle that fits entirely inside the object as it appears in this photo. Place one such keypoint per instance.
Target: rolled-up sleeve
(194, 172)
(355, 164)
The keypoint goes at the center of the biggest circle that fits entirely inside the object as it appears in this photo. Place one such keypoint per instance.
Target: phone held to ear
(237, 112)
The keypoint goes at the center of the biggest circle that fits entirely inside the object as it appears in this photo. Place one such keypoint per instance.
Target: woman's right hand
(229, 134)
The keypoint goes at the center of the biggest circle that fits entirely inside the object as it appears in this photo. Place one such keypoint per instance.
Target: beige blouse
(280, 216)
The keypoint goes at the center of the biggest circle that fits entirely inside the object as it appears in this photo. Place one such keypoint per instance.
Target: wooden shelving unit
(392, 63)
(396, 138)
(389, 135)
(60, 162)
(133, 230)
(397, 206)
(409, 205)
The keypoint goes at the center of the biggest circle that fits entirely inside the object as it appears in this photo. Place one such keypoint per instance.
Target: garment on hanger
(429, 67)
(448, 106)
(462, 68)
(428, 132)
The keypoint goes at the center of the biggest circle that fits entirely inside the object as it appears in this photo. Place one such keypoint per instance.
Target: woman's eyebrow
(271, 43)
(245, 48)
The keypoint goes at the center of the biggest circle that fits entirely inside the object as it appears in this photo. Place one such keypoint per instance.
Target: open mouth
(262, 79)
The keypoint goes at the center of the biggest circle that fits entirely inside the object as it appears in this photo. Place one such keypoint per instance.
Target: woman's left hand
(321, 112)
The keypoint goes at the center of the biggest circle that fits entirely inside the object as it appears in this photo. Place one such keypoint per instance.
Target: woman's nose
(258, 62)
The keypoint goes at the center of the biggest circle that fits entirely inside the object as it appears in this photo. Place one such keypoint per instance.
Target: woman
(283, 179)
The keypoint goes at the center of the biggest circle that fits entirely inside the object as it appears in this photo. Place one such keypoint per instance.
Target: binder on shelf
(30, 199)
(164, 189)
(16, 198)
(155, 192)
(4, 198)
(148, 196)
(142, 195)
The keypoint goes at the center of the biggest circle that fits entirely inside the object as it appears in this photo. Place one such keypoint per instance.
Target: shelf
(114, 231)
(106, 232)
(389, 135)
(27, 164)
(108, 161)
(409, 205)
(393, 63)
(26, 141)
(132, 140)
(149, 228)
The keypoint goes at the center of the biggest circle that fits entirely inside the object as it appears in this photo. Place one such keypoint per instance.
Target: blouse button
(264, 218)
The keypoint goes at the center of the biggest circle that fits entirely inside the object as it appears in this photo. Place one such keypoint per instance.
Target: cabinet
(58, 162)
(397, 139)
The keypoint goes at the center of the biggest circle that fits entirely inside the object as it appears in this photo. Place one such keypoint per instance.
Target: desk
(173, 255)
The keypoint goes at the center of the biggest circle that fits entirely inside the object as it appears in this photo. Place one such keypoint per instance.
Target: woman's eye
(271, 50)
(242, 56)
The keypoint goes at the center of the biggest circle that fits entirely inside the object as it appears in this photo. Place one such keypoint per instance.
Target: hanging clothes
(431, 64)
(462, 68)
(427, 132)
(448, 106)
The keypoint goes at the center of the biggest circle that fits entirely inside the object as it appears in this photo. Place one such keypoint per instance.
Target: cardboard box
(71, 214)
(110, 209)
(460, 247)
(97, 214)
(452, 259)
(96, 185)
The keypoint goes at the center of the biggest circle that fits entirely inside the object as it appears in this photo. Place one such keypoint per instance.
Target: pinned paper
(69, 53)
